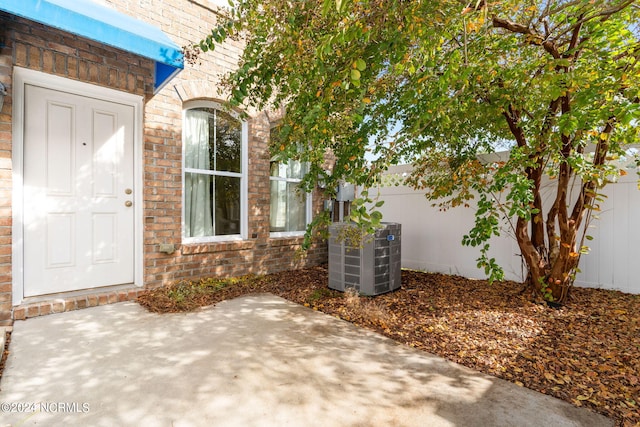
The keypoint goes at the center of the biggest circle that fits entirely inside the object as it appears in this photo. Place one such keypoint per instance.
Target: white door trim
(22, 77)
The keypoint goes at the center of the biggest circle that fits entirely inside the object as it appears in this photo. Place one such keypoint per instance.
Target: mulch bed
(586, 352)
(5, 352)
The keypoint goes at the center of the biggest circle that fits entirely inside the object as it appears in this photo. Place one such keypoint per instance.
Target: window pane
(275, 169)
(213, 140)
(227, 205)
(297, 201)
(197, 135)
(288, 205)
(197, 200)
(278, 215)
(293, 169)
(227, 143)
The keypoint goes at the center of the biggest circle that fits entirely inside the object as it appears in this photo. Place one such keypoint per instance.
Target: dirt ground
(586, 352)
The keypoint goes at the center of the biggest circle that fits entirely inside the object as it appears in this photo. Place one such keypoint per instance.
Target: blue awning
(105, 25)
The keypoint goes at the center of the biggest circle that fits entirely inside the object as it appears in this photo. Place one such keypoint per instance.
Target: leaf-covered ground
(587, 352)
(5, 351)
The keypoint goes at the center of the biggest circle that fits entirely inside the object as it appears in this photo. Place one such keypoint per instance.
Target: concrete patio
(252, 361)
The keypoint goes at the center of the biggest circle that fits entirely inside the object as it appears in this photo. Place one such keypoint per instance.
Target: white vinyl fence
(431, 239)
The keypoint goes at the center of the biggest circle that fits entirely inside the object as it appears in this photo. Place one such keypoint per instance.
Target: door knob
(128, 191)
(128, 203)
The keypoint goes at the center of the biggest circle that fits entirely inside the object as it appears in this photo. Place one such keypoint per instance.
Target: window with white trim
(290, 205)
(215, 164)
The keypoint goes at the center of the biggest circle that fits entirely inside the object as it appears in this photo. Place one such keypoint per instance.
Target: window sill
(203, 248)
(286, 234)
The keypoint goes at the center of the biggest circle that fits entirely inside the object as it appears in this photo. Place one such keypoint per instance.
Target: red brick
(72, 67)
(57, 307)
(33, 311)
(93, 73)
(60, 64)
(21, 55)
(19, 313)
(45, 309)
(34, 58)
(83, 70)
(47, 61)
(69, 305)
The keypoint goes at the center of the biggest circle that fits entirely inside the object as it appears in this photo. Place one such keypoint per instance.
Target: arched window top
(211, 104)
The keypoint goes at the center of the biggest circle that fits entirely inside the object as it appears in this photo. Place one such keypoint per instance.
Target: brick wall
(35, 46)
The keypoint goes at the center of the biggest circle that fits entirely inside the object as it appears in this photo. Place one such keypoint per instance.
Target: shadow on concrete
(253, 361)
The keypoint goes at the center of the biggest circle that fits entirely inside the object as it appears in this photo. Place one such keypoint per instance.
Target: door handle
(128, 203)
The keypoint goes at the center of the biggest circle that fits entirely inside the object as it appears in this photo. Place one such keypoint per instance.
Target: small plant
(188, 295)
(352, 297)
(378, 313)
(547, 294)
(181, 291)
(319, 294)
(367, 309)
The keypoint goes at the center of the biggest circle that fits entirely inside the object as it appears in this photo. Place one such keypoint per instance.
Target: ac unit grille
(372, 269)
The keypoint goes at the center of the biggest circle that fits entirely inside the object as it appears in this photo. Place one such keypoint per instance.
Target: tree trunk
(541, 280)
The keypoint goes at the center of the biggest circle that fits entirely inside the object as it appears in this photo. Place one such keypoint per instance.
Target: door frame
(22, 77)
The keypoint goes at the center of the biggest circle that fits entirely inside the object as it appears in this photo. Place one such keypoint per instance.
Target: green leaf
(326, 6)
(562, 62)
(360, 64)
(376, 218)
(355, 75)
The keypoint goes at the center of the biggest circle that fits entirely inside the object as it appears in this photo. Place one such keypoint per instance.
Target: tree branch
(574, 39)
(551, 46)
(562, 7)
(604, 15)
(534, 38)
(588, 188)
(513, 117)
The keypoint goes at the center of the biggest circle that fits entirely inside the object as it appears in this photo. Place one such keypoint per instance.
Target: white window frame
(308, 207)
(243, 175)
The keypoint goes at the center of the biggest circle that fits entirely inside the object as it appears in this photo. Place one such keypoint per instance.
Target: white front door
(78, 192)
